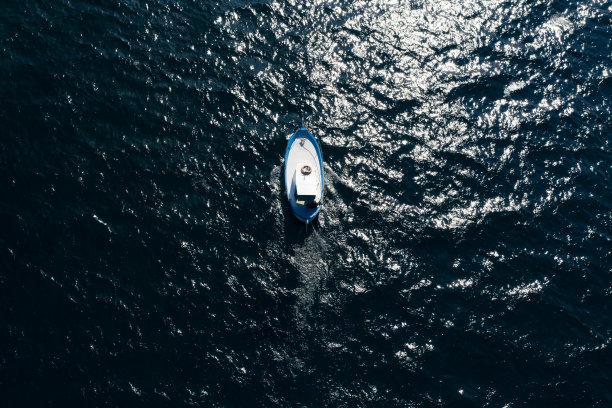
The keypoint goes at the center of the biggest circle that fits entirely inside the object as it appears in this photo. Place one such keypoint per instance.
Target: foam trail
(309, 260)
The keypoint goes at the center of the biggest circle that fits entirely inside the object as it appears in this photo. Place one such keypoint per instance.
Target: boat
(304, 179)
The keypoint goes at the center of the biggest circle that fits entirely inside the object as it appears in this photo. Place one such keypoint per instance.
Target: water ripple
(150, 255)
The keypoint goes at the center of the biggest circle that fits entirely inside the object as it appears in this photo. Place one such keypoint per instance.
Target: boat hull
(303, 150)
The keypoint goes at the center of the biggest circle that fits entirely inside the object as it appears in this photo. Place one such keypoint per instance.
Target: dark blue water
(148, 256)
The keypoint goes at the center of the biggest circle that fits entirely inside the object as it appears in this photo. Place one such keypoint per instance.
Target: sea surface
(149, 257)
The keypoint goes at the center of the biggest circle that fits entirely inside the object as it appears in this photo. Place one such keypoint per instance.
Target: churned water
(148, 255)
